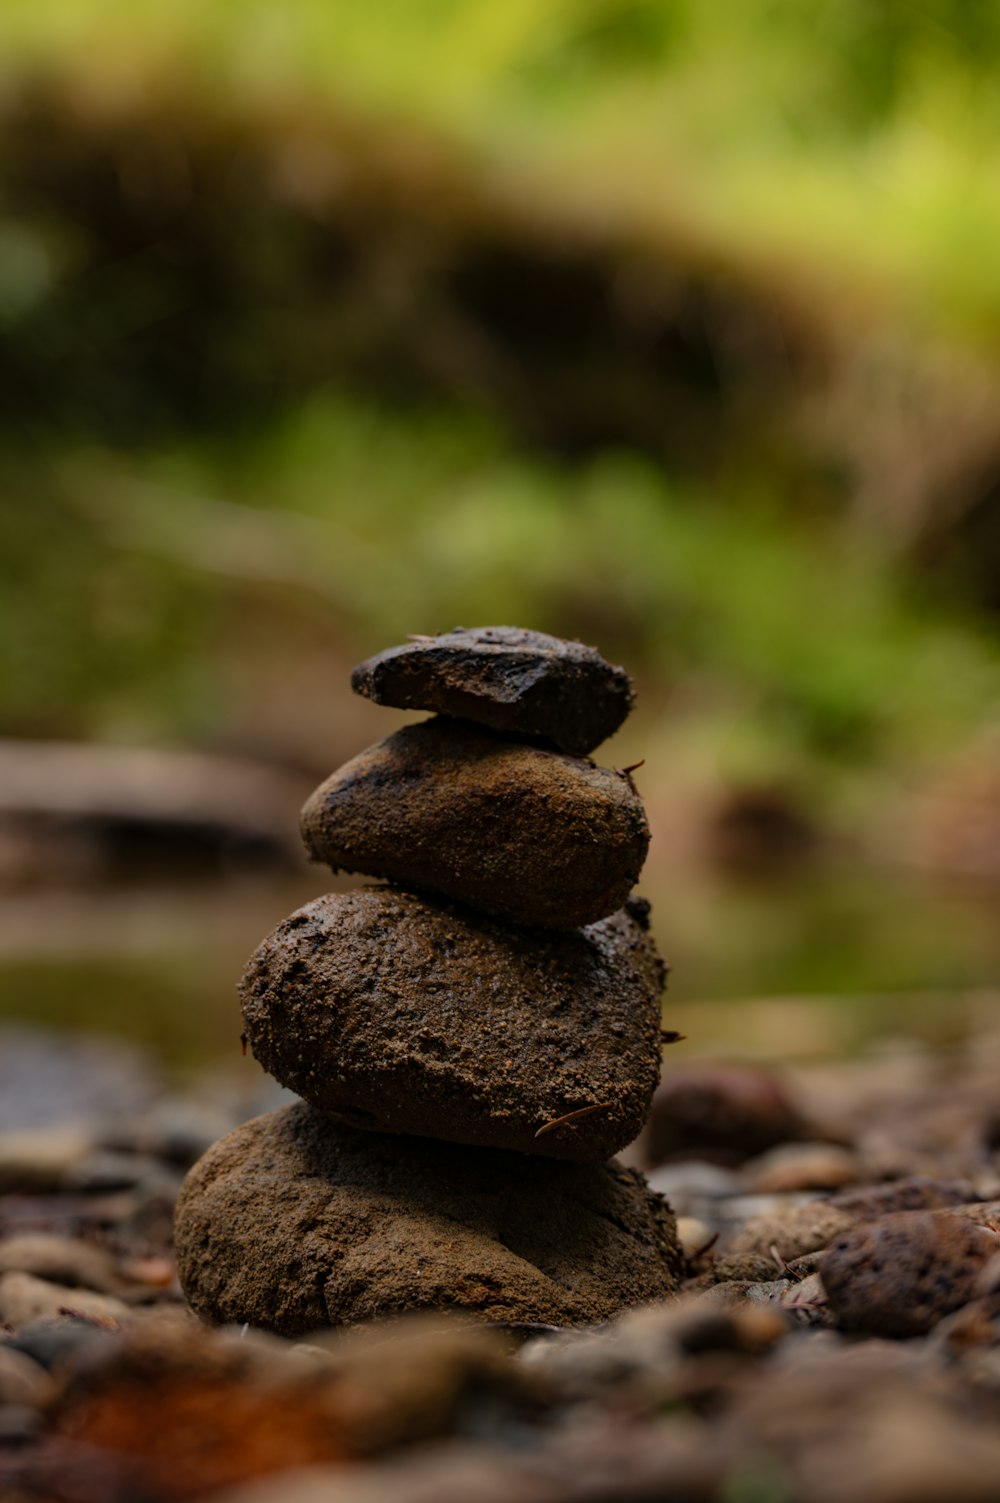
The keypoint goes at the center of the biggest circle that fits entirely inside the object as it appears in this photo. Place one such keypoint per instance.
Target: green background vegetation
(669, 326)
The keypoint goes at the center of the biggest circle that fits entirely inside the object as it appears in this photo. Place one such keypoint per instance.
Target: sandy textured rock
(523, 682)
(404, 1015)
(293, 1222)
(447, 807)
(899, 1275)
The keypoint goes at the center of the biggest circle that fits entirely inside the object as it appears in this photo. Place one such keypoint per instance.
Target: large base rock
(293, 1222)
(400, 1014)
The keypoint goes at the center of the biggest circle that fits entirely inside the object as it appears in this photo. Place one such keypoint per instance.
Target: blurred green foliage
(122, 574)
(861, 133)
(847, 151)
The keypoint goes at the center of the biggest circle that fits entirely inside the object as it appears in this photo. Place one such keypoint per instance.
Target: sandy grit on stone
(448, 807)
(400, 1014)
(293, 1222)
(522, 682)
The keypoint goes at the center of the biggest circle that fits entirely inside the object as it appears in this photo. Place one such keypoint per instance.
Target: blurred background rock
(673, 328)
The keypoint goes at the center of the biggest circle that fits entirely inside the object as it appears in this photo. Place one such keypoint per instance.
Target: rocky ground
(837, 1338)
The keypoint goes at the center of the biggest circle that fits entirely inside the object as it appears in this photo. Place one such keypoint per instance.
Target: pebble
(447, 807)
(650, 1342)
(693, 1235)
(792, 1167)
(37, 1159)
(915, 1192)
(61, 1260)
(56, 1341)
(292, 1223)
(396, 1014)
(723, 1113)
(24, 1299)
(756, 1249)
(522, 682)
(897, 1276)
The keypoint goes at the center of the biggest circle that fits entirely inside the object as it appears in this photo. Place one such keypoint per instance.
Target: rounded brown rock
(522, 682)
(722, 1112)
(402, 1014)
(448, 807)
(899, 1275)
(294, 1222)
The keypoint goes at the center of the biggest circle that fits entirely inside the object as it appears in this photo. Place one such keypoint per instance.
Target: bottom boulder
(294, 1222)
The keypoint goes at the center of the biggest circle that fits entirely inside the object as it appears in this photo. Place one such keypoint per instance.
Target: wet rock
(722, 1113)
(447, 807)
(521, 682)
(61, 1260)
(292, 1223)
(899, 1275)
(396, 1014)
(24, 1299)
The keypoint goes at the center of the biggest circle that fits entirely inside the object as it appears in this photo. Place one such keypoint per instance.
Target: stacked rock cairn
(473, 1039)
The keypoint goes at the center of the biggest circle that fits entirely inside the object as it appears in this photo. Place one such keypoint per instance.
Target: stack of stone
(472, 1042)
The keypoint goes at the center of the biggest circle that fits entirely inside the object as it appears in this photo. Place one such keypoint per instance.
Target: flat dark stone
(401, 1014)
(449, 807)
(294, 1222)
(521, 682)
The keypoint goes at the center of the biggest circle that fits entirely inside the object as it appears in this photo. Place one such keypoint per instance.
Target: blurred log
(82, 809)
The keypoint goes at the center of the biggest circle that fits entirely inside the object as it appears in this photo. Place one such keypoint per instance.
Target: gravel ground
(837, 1339)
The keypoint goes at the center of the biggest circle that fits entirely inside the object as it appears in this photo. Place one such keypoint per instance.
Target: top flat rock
(518, 681)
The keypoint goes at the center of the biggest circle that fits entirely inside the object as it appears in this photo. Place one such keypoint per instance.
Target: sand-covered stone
(449, 807)
(294, 1222)
(522, 682)
(402, 1014)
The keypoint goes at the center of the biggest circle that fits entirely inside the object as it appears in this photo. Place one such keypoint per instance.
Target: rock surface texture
(391, 1013)
(522, 682)
(447, 807)
(292, 1223)
(455, 1034)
